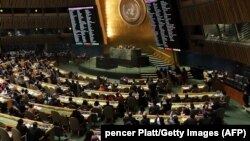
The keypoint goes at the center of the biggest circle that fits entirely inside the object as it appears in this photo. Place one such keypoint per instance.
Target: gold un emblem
(132, 12)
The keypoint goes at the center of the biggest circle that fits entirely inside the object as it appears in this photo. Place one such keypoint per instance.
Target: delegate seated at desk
(34, 133)
(21, 127)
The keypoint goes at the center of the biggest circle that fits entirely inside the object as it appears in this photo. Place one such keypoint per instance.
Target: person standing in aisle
(246, 93)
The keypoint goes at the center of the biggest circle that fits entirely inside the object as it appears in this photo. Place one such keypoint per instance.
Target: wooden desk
(36, 93)
(79, 100)
(63, 111)
(193, 95)
(176, 105)
(11, 121)
(187, 105)
(232, 92)
(152, 118)
(84, 76)
(83, 83)
(89, 92)
(49, 85)
(142, 81)
(122, 86)
(187, 88)
(199, 95)
(5, 99)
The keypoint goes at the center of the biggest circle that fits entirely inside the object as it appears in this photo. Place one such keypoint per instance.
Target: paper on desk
(85, 115)
(38, 108)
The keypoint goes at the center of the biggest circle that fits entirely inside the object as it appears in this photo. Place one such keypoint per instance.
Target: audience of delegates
(25, 74)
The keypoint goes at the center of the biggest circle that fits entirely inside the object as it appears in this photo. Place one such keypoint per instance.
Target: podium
(128, 57)
(143, 61)
(105, 63)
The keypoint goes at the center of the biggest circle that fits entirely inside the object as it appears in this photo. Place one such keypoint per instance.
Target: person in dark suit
(246, 94)
(72, 104)
(107, 105)
(34, 133)
(129, 119)
(167, 107)
(191, 120)
(159, 120)
(154, 109)
(21, 127)
(145, 120)
(77, 114)
(206, 120)
(3, 107)
(184, 76)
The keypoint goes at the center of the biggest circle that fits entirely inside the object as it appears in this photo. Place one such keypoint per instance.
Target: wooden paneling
(37, 39)
(233, 93)
(216, 11)
(228, 50)
(186, 3)
(35, 20)
(43, 3)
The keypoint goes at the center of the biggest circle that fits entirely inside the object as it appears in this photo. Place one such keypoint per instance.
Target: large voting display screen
(86, 26)
(163, 18)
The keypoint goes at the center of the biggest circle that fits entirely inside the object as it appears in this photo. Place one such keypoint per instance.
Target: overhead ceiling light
(70, 28)
(36, 10)
(1, 10)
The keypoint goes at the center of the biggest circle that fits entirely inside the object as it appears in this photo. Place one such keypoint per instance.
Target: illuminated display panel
(86, 26)
(163, 20)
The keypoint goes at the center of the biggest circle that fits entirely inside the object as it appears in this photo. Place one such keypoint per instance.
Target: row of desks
(152, 118)
(82, 83)
(11, 121)
(79, 100)
(63, 111)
